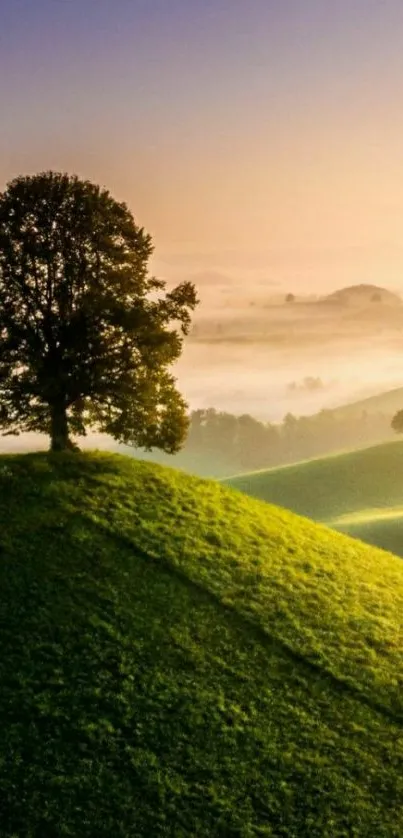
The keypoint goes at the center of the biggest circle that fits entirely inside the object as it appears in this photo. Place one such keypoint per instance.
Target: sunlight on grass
(366, 516)
(175, 652)
(359, 493)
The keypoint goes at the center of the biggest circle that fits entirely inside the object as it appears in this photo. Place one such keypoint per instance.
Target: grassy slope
(180, 660)
(360, 493)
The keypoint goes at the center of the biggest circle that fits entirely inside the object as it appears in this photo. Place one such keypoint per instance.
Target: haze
(259, 144)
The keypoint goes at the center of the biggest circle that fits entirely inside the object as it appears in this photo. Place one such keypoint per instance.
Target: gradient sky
(260, 138)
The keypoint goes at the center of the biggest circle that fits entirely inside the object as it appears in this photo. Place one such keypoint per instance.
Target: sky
(260, 139)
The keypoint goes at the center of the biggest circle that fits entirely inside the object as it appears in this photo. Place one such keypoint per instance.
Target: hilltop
(360, 493)
(363, 294)
(181, 660)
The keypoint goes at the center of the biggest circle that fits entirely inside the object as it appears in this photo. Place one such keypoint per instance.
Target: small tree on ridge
(87, 337)
(397, 422)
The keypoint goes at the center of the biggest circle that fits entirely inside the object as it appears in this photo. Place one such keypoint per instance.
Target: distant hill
(360, 493)
(387, 403)
(180, 660)
(358, 295)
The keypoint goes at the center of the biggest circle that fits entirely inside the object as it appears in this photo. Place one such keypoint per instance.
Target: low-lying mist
(257, 354)
(263, 358)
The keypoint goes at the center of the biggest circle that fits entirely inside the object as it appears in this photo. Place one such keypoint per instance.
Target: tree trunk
(59, 429)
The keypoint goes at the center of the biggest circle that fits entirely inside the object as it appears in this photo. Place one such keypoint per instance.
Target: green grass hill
(359, 493)
(178, 659)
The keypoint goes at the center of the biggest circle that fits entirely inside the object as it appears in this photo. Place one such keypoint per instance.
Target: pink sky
(261, 138)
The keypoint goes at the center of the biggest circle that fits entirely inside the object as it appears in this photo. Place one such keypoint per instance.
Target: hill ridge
(253, 580)
(243, 617)
(356, 492)
(363, 291)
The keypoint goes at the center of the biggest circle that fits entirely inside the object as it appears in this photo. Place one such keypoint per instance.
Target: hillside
(387, 403)
(180, 660)
(363, 294)
(360, 493)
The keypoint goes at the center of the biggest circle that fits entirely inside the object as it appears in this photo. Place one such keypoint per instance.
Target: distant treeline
(246, 443)
(219, 443)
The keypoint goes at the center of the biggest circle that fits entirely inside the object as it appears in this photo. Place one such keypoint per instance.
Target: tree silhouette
(397, 422)
(87, 337)
(290, 298)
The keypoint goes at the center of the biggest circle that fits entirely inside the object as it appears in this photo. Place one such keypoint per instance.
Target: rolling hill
(364, 294)
(387, 403)
(181, 660)
(360, 493)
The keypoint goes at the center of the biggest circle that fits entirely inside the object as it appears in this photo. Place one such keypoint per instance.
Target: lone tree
(397, 422)
(87, 337)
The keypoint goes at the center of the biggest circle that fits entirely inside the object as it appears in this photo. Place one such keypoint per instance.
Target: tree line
(219, 442)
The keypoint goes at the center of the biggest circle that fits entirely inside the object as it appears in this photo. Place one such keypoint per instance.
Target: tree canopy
(87, 336)
(397, 422)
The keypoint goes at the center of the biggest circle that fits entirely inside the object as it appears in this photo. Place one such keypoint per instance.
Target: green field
(359, 493)
(180, 660)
